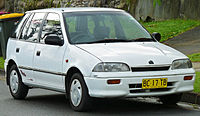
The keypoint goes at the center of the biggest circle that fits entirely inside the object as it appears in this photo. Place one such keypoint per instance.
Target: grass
(197, 83)
(194, 57)
(170, 28)
(1, 63)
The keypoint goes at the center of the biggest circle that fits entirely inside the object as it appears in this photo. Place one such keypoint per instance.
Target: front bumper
(130, 86)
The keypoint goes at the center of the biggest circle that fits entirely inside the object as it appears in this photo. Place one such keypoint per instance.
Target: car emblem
(151, 62)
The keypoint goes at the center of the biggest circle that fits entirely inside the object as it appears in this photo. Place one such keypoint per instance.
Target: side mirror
(53, 40)
(157, 36)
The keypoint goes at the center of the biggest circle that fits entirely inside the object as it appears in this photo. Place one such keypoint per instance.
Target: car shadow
(58, 102)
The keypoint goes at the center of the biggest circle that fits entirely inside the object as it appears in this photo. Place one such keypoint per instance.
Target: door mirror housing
(53, 40)
(157, 36)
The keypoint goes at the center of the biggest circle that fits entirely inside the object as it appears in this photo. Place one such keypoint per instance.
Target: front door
(48, 59)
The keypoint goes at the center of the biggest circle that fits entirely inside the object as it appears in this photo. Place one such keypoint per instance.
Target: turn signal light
(116, 81)
(188, 77)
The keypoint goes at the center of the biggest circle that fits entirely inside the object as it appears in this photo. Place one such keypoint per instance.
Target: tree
(9, 4)
(156, 2)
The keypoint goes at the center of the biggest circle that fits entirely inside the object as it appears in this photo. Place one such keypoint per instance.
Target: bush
(39, 4)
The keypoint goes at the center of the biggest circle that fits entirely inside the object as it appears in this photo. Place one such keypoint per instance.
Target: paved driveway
(187, 43)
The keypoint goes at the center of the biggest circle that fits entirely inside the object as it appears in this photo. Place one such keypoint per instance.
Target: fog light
(116, 81)
(188, 77)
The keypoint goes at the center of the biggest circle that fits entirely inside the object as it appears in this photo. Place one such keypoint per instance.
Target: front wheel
(171, 99)
(17, 88)
(78, 93)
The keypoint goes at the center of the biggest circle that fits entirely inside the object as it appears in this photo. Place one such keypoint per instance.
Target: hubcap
(76, 92)
(14, 81)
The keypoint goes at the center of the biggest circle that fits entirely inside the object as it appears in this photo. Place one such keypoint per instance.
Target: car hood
(134, 53)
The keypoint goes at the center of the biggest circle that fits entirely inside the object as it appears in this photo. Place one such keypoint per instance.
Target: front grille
(159, 68)
(150, 90)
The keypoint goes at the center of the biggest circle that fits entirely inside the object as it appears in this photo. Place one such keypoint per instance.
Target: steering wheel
(80, 37)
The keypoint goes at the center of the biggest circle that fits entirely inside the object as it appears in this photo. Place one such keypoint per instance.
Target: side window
(51, 26)
(20, 25)
(32, 27)
(25, 28)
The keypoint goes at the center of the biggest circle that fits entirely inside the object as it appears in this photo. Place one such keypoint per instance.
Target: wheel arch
(11, 62)
(69, 74)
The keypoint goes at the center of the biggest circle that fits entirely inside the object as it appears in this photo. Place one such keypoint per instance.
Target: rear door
(48, 59)
(25, 46)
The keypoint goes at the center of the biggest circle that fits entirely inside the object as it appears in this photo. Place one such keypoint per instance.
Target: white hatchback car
(93, 52)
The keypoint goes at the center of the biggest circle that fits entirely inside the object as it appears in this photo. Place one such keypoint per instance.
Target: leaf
(155, 2)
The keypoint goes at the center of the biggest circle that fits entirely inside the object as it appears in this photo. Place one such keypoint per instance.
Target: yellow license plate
(154, 83)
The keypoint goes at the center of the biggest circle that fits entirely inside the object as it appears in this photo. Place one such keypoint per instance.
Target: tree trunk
(2, 4)
(132, 6)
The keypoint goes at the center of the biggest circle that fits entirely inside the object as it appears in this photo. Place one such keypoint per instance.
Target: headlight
(111, 67)
(181, 64)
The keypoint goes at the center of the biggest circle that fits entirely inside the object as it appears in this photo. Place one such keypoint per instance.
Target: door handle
(38, 53)
(17, 50)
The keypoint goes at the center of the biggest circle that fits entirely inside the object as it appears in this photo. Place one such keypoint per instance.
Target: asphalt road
(47, 103)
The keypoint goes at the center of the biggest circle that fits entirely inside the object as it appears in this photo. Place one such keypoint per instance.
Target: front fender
(80, 59)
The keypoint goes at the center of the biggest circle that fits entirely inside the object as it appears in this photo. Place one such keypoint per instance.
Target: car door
(48, 59)
(25, 46)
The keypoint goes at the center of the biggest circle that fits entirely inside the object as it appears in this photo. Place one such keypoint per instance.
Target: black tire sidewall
(22, 89)
(85, 99)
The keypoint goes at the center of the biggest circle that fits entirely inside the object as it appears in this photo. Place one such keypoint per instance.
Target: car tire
(78, 93)
(17, 88)
(171, 99)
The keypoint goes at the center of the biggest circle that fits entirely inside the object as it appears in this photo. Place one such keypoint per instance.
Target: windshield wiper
(118, 40)
(142, 39)
(109, 41)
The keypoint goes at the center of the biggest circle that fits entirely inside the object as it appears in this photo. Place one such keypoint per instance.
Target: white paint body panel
(53, 56)
(25, 58)
(86, 56)
(133, 53)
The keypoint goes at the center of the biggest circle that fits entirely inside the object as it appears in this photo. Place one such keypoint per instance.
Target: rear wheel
(78, 93)
(17, 88)
(171, 99)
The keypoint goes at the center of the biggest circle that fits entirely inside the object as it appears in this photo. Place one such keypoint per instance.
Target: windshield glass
(96, 27)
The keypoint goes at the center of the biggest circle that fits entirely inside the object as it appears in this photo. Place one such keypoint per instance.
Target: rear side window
(19, 26)
(32, 28)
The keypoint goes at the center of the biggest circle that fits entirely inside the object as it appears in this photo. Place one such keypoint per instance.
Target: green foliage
(156, 2)
(128, 1)
(194, 57)
(38, 4)
(197, 83)
(1, 63)
(170, 28)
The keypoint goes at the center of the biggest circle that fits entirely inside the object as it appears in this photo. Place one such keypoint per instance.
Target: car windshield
(104, 27)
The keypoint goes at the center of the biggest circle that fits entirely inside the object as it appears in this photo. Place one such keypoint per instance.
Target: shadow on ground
(107, 106)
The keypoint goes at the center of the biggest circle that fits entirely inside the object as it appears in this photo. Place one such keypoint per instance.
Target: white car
(93, 53)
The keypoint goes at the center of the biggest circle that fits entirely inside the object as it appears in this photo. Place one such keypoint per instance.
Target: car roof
(75, 9)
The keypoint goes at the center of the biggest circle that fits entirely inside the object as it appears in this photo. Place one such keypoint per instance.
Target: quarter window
(19, 26)
(23, 34)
